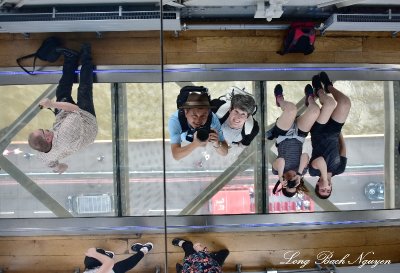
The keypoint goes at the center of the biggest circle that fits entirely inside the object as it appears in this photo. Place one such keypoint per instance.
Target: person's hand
(197, 142)
(45, 103)
(199, 247)
(282, 180)
(62, 167)
(213, 137)
(91, 252)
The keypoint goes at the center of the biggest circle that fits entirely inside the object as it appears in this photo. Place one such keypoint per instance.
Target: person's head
(292, 184)
(242, 106)
(41, 140)
(199, 247)
(91, 262)
(197, 108)
(323, 190)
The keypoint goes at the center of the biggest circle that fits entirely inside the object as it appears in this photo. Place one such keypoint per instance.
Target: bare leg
(328, 106)
(289, 112)
(307, 119)
(343, 105)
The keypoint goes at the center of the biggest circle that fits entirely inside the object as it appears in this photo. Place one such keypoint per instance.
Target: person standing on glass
(75, 126)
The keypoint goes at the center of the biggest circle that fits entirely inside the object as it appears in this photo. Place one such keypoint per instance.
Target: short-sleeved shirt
(290, 147)
(175, 128)
(290, 150)
(325, 143)
(231, 135)
(72, 132)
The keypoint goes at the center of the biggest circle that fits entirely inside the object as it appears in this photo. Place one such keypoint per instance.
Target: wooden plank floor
(211, 47)
(254, 250)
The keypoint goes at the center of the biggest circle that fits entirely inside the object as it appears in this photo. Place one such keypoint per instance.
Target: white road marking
(345, 203)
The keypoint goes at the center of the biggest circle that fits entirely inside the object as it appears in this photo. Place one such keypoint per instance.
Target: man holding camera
(203, 127)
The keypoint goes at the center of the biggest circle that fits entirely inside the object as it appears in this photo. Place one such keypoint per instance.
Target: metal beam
(241, 164)
(119, 107)
(396, 101)
(391, 183)
(260, 160)
(42, 196)
(6, 134)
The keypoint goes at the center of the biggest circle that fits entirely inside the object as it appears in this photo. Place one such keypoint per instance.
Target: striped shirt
(290, 150)
(72, 132)
(290, 147)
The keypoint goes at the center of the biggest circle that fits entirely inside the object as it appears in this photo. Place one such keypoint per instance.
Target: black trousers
(85, 89)
(129, 263)
(119, 267)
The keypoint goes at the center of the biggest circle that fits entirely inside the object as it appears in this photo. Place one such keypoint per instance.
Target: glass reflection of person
(234, 119)
(197, 113)
(75, 126)
(198, 259)
(328, 147)
(290, 132)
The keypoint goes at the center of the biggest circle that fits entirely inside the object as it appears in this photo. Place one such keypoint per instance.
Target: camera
(202, 133)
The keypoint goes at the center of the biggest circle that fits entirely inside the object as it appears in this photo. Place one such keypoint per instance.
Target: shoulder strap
(224, 118)
(209, 119)
(182, 120)
(248, 138)
(27, 57)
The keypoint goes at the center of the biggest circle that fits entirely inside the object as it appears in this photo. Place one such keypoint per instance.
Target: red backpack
(300, 39)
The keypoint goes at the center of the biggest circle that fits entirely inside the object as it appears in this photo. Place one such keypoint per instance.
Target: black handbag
(46, 52)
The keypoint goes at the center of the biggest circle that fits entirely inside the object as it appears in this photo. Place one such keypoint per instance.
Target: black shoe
(109, 253)
(68, 53)
(178, 268)
(149, 246)
(309, 92)
(176, 241)
(137, 246)
(278, 92)
(316, 84)
(105, 252)
(325, 80)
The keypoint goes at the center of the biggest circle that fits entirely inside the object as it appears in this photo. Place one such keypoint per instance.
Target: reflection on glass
(145, 149)
(189, 177)
(363, 133)
(85, 189)
(88, 188)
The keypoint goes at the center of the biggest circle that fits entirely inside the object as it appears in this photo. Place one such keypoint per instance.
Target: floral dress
(200, 262)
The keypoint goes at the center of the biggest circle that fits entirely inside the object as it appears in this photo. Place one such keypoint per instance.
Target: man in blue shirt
(195, 123)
